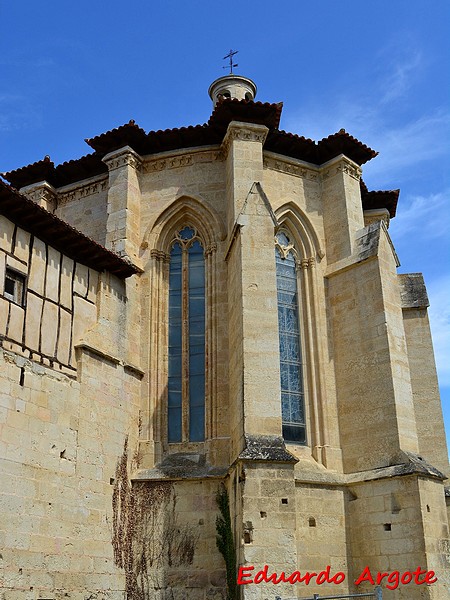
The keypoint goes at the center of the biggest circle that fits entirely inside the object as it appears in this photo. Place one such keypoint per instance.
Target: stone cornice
(41, 193)
(124, 157)
(298, 168)
(174, 160)
(87, 188)
(340, 164)
(245, 132)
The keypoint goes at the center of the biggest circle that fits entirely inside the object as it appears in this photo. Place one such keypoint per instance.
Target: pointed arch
(185, 210)
(308, 252)
(165, 235)
(301, 228)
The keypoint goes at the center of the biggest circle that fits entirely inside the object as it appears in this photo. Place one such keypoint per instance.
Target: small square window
(14, 286)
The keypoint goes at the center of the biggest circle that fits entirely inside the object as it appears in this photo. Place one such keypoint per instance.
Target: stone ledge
(413, 292)
(367, 244)
(90, 349)
(266, 448)
(405, 463)
(184, 466)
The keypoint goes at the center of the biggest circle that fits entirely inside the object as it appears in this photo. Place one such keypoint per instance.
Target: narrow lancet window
(292, 392)
(186, 382)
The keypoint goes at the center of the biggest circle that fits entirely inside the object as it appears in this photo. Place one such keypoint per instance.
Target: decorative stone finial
(232, 86)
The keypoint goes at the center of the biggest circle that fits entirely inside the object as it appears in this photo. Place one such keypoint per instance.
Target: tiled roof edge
(60, 235)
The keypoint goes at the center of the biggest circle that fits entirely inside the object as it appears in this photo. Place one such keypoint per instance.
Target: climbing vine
(225, 541)
(147, 538)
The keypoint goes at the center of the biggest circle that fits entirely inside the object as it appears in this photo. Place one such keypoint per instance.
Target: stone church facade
(206, 324)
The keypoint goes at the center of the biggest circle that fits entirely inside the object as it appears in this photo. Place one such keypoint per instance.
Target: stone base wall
(61, 440)
(166, 539)
(395, 525)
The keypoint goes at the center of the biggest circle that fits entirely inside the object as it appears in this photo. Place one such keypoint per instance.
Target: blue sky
(69, 71)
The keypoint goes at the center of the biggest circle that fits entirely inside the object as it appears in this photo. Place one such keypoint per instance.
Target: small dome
(232, 86)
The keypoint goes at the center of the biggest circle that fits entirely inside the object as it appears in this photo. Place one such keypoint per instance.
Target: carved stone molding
(341, 165)
(160, 255)
(125, 157)
(245, 132)
(304, 263)
(285, 166)
(154, 165)
(350, 169)
(210, 249)
(83, 191)
(168, 163)
(42, 193)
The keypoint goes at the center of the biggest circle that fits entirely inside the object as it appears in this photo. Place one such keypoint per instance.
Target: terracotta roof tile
(379, 199)
(64, 174)
(59, 234)
(344, 143)
(211, 133)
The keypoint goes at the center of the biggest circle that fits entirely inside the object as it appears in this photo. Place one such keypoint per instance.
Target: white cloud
(368, 115)
(416, 142)
(424, 217)
(439, 313)
(402, 74)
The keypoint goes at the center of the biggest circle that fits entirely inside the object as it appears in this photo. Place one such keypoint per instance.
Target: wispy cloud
(414, 143)
(425, 217)
(369, 115)
(401, 75)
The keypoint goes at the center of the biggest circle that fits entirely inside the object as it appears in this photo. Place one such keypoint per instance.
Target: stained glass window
(292, 392)
(186, 382)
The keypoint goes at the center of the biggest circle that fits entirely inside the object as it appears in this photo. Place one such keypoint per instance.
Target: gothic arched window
(186, 381)
(291, 364)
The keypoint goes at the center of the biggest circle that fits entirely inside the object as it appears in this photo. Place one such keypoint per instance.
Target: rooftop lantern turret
(232, 86)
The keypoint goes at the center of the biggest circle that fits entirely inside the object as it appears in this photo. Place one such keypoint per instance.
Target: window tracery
(291, 361)
(186, 360)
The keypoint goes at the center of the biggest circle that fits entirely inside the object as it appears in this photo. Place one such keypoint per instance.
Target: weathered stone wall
(425, 387)
(61, 439)
(69, 397)
(372, 375)
(321, 534)
(85, 207)
(267, 531)
(398, 524)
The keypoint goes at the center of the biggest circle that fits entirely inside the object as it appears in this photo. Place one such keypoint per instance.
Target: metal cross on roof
(230, 56)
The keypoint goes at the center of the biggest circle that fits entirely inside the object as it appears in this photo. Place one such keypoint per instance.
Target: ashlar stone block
(15, 325)
(53, 271)
(49, 328)
(64, 337)
(36, 275)
(4, 312)
(33, 321)
(66, 282)
(22, 245)
(6, 233)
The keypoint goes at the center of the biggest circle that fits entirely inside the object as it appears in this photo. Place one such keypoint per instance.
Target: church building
(210, 368)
